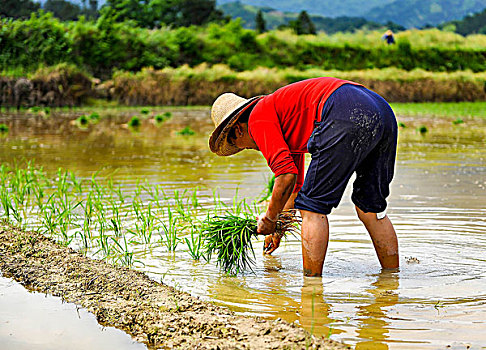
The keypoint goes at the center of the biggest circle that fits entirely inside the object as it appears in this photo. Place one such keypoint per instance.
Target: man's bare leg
(315, 236)
(384, 238)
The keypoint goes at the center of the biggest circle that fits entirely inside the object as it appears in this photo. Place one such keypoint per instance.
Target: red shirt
(281, 123)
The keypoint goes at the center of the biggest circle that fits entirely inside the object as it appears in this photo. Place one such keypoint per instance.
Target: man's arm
(282, 191)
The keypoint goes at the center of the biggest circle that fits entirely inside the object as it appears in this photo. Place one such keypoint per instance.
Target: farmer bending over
(346, 128)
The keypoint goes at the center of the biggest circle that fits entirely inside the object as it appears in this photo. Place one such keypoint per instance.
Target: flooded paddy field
(438, 205)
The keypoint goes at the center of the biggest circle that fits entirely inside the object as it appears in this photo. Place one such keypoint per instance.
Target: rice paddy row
(104, 220)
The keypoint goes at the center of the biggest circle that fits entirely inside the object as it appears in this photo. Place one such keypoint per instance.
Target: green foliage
(3, 128)
(153, 13)
(472, 24)
(40, 40)
(106, 45)
(303, 24)
(260, 22)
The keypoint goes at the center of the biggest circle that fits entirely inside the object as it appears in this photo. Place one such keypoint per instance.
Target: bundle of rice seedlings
(229, 238)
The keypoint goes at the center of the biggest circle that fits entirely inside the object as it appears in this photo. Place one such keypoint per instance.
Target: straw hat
(224, 113)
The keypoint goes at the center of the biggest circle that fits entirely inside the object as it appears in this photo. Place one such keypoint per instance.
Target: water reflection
(374, 325)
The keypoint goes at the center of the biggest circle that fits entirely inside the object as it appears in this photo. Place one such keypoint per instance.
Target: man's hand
(272, 242)
(265, 225)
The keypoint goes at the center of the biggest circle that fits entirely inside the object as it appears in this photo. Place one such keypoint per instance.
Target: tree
(176, 13)
(62, 9)
(17, 8)
(303, 24)
(128, 9)
(260, 22)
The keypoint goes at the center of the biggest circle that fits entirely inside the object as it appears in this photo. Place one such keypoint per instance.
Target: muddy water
(438, 206)
(35, 321)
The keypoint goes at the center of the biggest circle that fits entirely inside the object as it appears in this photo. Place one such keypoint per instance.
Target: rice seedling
(82, 121)
(458, 121)
(3, 128)
(422, 129)
(125, 256)
(229, 237)
(267, 192)
(187, 131)
(195, 244)
(94, 118)
(134, 122)
(159, 119)
(170, 231)
(145, 111)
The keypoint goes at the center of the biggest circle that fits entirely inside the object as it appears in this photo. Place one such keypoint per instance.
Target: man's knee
(369, 217)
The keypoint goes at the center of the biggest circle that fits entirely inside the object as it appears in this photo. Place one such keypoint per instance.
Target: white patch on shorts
(381, 215)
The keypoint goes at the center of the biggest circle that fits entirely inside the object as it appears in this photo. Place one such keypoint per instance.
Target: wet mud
(153, 313)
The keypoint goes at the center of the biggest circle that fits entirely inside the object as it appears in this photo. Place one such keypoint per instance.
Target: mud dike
(151, 312)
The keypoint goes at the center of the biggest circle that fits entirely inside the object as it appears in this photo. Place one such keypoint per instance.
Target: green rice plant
(35, 109)
(229, 237)
(401, 125)
(145, 224)
(422, 129)
(159, 119)
(145, 111)
(267, 192)
(458, 121)
(3, 128)
(5, 201)
(167, 115)
(94, 118)
(47, 110)
(195, 244)
(170, 230)
(82, 121)
(187, 131)
(125, 256)
(134, 122)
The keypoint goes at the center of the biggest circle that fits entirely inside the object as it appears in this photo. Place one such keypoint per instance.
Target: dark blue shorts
(357, 133)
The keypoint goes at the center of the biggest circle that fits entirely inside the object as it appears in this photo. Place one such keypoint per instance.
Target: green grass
(449, 110)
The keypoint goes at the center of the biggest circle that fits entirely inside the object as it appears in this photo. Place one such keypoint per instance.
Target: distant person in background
(388, 37)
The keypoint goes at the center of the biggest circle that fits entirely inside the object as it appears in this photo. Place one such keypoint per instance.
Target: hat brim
(218, 142)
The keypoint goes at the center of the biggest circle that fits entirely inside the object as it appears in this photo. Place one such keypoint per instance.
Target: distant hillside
(473, 24)
(418, 13)
(409, 13)
(274, 18)
(327, 8)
